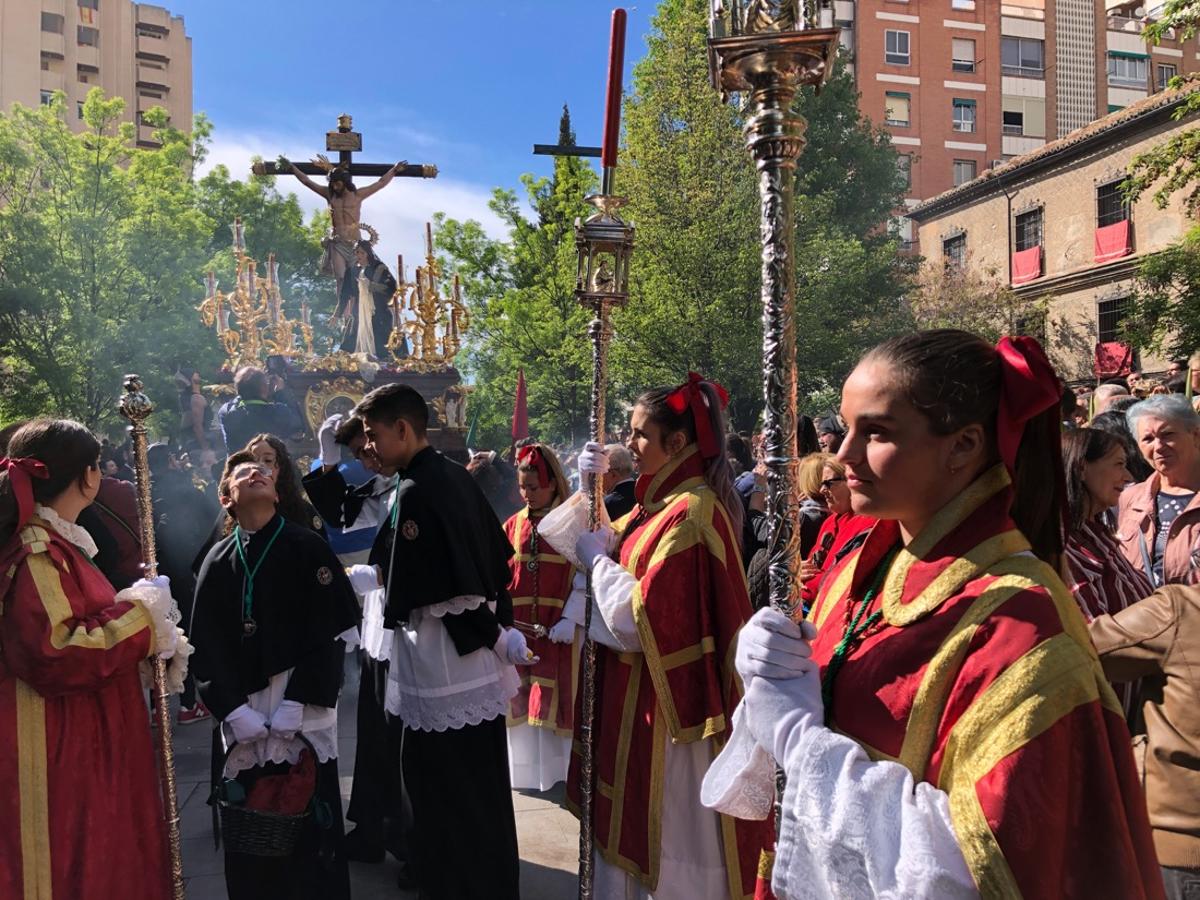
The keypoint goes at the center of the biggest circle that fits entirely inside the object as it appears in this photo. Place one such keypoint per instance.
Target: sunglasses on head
(830, 482)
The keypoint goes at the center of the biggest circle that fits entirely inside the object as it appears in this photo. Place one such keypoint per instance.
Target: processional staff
(603, 243)
(765, 51)
(136, 407)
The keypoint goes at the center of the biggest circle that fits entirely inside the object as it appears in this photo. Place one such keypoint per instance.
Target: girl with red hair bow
(670, 597)
(545, 608)
(942, 718)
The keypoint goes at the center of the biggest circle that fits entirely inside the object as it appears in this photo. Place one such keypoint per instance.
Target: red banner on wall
(1112, 241)
(1026, 265)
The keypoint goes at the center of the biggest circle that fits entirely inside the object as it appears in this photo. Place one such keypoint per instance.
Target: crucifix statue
(344, 198)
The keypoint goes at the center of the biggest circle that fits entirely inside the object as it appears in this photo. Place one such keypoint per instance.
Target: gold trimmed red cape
(80, 809)
(983, 682)
(547, 695)
(689, 603)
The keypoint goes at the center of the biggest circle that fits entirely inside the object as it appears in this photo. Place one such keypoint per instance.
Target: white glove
(330, 451)
(593, 459)
(248, 725)
(154, 595)
(511, 648)
(773, 646)
(363, 579)
(159, 582)
(562, 631)
(778, 710)
(591, 545)
(286, 720)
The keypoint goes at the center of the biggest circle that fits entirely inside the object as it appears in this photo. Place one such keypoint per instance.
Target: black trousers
(316, 870)
(377, 802)
(464, 830)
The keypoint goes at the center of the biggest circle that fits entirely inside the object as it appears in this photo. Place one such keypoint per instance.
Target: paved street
(548, 834)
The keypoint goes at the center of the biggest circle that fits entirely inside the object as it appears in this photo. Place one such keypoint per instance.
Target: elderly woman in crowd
(1158, 521)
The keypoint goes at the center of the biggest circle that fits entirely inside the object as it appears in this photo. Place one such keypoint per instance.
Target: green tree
(521, 296)
(1164, 315)
(103, 246)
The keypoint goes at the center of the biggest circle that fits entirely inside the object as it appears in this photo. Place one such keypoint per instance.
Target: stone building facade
(1056, 222)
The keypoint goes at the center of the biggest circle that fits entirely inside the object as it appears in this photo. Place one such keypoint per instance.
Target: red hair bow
(21, 472)
(532, 454)
(689, 394)
(1028, 387)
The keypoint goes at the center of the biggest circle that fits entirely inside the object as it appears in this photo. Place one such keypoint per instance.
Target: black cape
(443, 541)
(302, 602)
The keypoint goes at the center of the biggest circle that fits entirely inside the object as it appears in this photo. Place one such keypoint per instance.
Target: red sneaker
(197, 713)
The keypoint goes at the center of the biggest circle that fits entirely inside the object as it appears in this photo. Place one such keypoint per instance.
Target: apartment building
(1058, 223)
(964, 85)
(132, 50)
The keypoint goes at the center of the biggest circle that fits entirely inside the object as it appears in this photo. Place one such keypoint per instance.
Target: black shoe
(358, 848)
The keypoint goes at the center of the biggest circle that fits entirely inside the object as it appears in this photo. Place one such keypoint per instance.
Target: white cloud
(398, 212)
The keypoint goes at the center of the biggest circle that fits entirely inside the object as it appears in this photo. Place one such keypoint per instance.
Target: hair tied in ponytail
(690, 394)
(21, 472)
(1028, 387)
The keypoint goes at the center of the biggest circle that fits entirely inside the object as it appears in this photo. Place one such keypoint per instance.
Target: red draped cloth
(689, 604)
(547, 695)
(80, 810)
(983, 682)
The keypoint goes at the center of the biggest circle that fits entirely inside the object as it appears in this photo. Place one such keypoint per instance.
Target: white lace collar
(76, 534)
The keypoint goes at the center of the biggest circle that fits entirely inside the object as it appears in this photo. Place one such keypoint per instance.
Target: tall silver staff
(136, 407)
(768, 49)
(604, 244)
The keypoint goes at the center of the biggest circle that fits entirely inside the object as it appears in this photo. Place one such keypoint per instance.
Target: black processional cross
(346, 142)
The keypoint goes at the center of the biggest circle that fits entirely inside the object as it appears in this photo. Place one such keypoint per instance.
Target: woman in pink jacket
(1158, 520)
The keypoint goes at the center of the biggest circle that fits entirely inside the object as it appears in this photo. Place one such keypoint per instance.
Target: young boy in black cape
(272, 601)
(443, 559)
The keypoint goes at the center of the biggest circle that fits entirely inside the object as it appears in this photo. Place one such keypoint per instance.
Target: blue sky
(469, 86)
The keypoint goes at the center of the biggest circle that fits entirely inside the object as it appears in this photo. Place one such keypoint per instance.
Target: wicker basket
(259, 833)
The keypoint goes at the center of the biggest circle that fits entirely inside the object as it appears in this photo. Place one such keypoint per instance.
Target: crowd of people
(987, 686)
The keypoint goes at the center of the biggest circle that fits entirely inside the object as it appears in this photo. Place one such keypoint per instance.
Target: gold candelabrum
(427, 328)
(249, 319)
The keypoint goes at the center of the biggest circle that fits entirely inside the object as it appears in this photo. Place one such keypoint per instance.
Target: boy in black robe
(443, 558)
(271, 602)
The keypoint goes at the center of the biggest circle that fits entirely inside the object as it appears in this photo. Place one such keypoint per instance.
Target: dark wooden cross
(346, 142)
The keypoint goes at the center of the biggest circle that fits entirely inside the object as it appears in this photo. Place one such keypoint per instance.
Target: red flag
(520, 422)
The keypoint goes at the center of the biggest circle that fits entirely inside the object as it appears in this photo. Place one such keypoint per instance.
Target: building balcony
(53, 43)
(153, 15)
(151, 77)
(145, 136)
(156, 47)
(1019, 144)
(1124, 23)
(87, 55)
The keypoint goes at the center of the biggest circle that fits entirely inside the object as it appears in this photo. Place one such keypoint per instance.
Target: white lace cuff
(857, 828)
(454, 606)
(161, 609)
(562, 526)
(741, 780)
(612, 588)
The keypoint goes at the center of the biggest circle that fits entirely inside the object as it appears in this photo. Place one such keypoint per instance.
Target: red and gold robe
(689, 603)
(547, 695)
(983, 682)
(80, 809)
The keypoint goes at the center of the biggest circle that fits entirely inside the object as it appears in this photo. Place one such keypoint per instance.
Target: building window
(1127, 69)
(88, 4)
(1111, 315)
(45, 64)
(1029, 229)
(150, 33)
(85, 73)
(964, 171)
(1014, 122)
(153, 95)
(964, 115)
(86, 36)
(898, 109)
(896, 48)
(1163, 73)
(52, 22)
(1111, 207)
(965, 5)
(79, 110)
(954, 251)
(47, 97)
(904, 166)
(963, 52)
(1023, 57)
